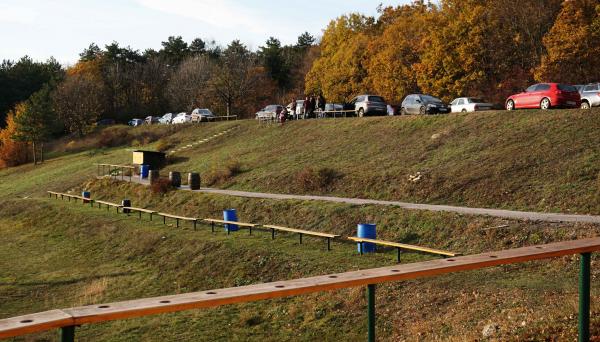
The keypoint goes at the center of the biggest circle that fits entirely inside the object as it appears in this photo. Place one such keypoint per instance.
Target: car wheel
(510, 105)
(545, 104)
(585, 105)
(403, 111)
(422, 110)
(464, 110)
(361, 113)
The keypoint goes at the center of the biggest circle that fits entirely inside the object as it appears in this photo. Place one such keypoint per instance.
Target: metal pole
(584, 297)
(67, 334)
(398, 254)
(371, 311)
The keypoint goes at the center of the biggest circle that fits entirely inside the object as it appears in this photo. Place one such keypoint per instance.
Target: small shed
(154, 159)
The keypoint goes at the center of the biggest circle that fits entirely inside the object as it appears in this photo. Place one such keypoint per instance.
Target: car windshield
(428, 98)
(270, 108)
(205, 111)
(475, 100)
(376, 99)
(566, 87)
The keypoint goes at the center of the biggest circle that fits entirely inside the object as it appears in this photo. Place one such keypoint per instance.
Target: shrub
(317, 180)
(223, 174)
(161, 186)
(114, 136)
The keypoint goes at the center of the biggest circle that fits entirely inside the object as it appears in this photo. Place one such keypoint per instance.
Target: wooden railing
(68, 319)
(112, 167)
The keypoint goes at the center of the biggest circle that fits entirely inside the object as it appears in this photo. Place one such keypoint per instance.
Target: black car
(423, 104)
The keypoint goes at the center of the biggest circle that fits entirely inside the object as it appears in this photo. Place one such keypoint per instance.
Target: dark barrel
(175, 178)
(126, 203)
(194, 181)
(153, 176)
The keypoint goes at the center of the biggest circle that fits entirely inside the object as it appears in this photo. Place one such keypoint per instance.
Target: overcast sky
(63, 28)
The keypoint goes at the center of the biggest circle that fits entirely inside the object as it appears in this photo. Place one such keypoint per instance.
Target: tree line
(41, 100)
(486, 48)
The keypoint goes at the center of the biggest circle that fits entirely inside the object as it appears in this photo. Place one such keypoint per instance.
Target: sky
(63, 28)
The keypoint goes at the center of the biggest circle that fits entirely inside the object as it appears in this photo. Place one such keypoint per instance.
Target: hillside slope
(528, 160)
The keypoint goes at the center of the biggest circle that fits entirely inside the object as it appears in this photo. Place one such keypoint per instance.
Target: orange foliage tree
(12, 152)
(573, 45)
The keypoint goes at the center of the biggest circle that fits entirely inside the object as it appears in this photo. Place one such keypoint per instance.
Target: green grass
(528, 160)
(58, 254)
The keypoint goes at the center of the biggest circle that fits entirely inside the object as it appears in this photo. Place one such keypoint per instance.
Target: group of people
(309, 106)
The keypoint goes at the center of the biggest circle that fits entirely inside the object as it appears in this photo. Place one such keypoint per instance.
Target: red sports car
(545, 96)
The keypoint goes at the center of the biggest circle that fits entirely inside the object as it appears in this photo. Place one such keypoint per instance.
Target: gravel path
(509, 214)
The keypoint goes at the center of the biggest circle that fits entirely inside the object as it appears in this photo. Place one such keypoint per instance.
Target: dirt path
(510, 214)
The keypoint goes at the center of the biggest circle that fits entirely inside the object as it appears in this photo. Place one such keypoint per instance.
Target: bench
(56, 194)
(400, 246)
(225, 223)
(177, 218)
(108, 205)
(302, 232)
(140, 211)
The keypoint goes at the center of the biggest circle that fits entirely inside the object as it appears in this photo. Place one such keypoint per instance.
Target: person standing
(305, 106)
(312, 106)
(293, 110)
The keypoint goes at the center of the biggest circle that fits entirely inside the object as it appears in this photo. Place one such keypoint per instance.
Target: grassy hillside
(547, 161)
(69, 254)
(60, 254)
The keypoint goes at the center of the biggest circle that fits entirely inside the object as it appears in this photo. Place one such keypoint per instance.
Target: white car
(202, 115)
(469, 104)
(166, 119)
(182, 118)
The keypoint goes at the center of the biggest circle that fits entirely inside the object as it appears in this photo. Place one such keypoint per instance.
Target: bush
(161, 186)
(114, 136)
(223, 174)
(322, 179)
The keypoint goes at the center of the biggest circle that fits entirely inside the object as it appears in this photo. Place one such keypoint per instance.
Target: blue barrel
(126, 203)
(230, 215)
(86, 194)
(144, 170)
(367, 231)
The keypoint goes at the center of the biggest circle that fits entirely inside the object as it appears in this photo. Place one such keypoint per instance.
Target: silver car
(590, 95)
(368, 104)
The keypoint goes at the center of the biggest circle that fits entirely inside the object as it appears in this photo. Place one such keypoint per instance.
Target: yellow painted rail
(67, 319)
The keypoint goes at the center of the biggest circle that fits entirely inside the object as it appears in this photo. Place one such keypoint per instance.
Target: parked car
(269, 112)
(182, 118)
(590, 95)
(151, 120)
(199, 115)
(106, 122)
(135, 122)
(545, 96)
(166, 119)
(469, 104)
(368, 105)
(330, 109)
(423, 104)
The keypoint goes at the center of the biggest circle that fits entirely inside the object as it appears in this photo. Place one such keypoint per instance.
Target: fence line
(68, 319)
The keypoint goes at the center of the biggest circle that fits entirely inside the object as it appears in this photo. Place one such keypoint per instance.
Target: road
(509, 214)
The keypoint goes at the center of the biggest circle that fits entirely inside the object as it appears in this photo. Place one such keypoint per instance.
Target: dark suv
(423, 104)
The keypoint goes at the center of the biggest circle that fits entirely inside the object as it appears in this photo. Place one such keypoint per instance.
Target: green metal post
(584, 297)
(67, 334)
(371, 311)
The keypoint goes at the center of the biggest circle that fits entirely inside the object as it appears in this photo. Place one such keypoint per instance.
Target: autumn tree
(79, 102)
(12, 152)
(189, 86)
(394, 53)
(37, 122)
(238, 75)
(453, 59)
(340, 72)
(573, 45)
